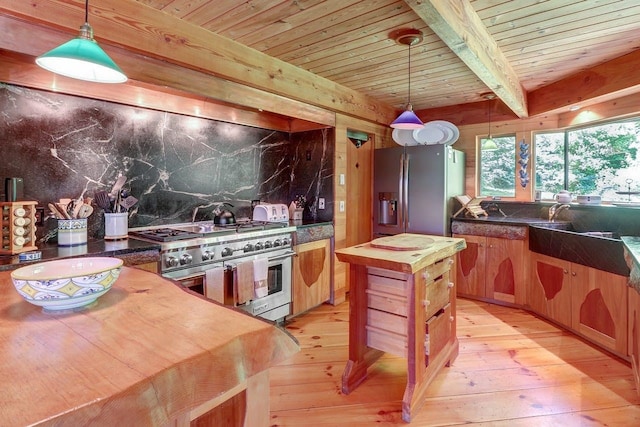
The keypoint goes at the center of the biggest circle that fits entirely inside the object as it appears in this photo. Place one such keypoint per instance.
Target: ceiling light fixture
(489, 144)
(408, 119)
(82, 58)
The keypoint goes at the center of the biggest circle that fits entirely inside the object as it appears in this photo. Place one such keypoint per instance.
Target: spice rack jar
(18, 227)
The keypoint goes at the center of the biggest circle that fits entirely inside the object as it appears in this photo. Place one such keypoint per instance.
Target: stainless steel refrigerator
(414, 189)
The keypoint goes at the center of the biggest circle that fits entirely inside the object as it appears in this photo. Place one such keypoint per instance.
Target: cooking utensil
(85, 211)
(63, 210)
(102, 200)
(128, 202)
(115, 190)
(54, 210)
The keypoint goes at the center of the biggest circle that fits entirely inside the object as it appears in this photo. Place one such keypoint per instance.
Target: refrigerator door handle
(401, 200)
(405, 192)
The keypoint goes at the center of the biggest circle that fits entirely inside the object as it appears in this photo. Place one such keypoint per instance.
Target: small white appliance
(276, 212)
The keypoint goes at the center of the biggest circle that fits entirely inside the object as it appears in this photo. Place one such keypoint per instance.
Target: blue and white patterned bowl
(66, 283)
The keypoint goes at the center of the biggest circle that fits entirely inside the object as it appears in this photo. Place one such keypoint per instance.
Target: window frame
(479, 157)
(566, 131)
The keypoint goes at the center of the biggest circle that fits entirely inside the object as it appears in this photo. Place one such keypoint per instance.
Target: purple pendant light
(408, 119)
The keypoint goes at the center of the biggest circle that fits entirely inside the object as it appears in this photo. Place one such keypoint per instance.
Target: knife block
(18, 227)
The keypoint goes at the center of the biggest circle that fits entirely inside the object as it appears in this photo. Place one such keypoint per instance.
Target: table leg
(360, 355)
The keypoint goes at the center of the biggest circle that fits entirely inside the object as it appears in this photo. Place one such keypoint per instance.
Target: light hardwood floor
(514, 369)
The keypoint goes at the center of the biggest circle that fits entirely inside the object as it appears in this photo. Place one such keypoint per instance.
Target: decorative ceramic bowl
(67, 283)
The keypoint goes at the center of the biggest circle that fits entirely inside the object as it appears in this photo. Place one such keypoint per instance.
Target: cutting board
(403, 242)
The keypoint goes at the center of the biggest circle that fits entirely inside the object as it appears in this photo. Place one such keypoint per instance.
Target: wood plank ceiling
(470, 47)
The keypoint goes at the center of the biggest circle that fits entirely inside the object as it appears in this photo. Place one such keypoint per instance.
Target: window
(597, 160)
(498, 167)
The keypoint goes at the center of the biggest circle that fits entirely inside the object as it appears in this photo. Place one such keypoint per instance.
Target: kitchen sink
(602, 250)
(570, 228)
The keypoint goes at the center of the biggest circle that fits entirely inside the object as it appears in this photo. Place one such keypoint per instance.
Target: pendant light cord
(409, 91)
(86, 11)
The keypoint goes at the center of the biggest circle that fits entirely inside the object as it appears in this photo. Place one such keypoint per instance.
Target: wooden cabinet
(591, 302)
(599, 307)
(548, 288)
(311, 284)
(492, 268)
(633, 333)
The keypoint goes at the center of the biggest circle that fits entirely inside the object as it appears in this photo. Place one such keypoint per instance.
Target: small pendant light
(82, 58)
(408, 119)
(489, 144)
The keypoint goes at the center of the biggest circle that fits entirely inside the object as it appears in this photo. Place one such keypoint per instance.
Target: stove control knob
(171, 261)
(259, 246)
(285, 241)
(277, 243)
(186, 259)
(207, 255)
(248, 247)
(226, 252)
(268, 244)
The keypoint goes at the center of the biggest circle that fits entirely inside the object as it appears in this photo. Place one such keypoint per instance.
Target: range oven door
(277, 303)
(195, 278)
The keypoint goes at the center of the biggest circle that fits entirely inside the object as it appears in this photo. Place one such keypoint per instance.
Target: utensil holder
(116, 226)
(72, 232)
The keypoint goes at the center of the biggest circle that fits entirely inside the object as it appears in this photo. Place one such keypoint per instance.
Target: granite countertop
(94, 247)
(311, 231)
(632, 257)
(501, 220)
(136, 356)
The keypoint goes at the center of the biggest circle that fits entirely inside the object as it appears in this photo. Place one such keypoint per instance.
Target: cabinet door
(599, 307)
(504, 272)
(633, 333)
(311, 275)
(549, 288)
(470, 267)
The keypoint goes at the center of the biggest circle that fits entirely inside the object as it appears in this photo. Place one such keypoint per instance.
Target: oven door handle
(232, 264)
(283, 256)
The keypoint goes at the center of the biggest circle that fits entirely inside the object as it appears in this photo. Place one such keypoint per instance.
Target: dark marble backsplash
(68, 146)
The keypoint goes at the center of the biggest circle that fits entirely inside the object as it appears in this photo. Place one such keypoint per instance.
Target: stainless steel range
(190, 251)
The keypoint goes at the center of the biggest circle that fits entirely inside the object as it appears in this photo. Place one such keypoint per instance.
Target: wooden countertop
(406, 261)
(145, 352)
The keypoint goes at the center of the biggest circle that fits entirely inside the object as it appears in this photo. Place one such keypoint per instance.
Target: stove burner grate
(165, 234)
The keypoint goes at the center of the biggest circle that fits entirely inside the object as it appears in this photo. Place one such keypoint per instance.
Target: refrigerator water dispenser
(388, 208)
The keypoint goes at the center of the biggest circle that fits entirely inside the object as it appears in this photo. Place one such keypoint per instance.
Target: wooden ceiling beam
(460, 28)
(612, 79)
(146, 32)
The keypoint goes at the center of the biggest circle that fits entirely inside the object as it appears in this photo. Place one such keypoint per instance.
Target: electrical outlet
(321, 203)
(341, 205)
(341, 179)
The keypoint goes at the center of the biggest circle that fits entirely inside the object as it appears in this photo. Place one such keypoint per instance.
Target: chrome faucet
(555, 210)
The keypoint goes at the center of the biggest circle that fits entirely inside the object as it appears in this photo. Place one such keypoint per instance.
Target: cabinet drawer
(389, 342)
(438, 294)
(439, 332)
(387, 302)
(437, 269)
(387, 321)
(386, 281)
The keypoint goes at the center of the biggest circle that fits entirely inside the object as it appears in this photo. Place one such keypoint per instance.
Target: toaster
(276, 212)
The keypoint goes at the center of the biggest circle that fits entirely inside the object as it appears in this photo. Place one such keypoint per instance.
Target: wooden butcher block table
(147, 353)
(401, 301)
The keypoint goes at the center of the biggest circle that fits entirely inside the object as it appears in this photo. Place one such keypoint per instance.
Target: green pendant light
(82, 58)
(489, 144)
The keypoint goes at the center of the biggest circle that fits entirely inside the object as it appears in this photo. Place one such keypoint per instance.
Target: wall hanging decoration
(524, 162)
